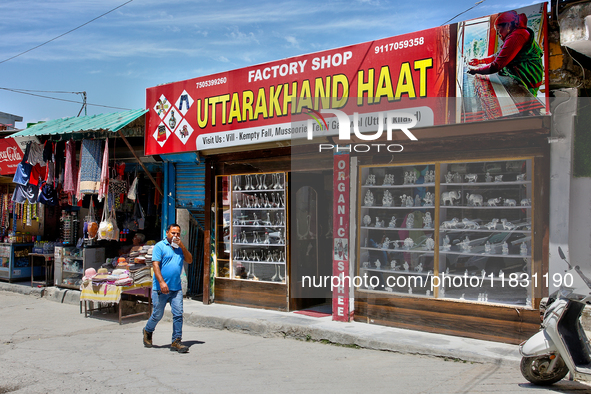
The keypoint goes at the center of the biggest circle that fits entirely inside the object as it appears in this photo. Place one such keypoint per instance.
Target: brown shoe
(177, 346)
(147, 338)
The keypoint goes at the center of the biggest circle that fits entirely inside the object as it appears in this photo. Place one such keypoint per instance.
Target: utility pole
(83, 94)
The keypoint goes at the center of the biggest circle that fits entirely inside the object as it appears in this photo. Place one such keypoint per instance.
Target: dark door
(311, 238)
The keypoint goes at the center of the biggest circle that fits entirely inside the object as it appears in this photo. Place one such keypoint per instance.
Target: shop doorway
(311, 239)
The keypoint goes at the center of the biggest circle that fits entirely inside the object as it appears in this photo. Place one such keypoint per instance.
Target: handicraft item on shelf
(369, 199)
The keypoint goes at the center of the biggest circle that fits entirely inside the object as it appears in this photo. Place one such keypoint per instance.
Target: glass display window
(397, 227)
(460, 230)
(222, 228)
(485, 231)
(253, 221)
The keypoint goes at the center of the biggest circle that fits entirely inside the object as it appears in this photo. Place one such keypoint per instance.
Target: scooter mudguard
(537, 345)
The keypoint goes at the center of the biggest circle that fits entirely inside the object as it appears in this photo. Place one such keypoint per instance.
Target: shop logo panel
(162, 106)
(184, 131)
(184, 102)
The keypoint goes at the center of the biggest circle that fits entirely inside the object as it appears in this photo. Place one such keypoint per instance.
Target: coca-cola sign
(10, 155)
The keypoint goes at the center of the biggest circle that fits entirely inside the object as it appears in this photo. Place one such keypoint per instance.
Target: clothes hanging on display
(23, 169)
(90, 166)
(104, 180)
(36, 154)
(24, 193)
(70, 174)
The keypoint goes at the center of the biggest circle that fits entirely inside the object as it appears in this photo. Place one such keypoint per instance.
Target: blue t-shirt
(171, 265)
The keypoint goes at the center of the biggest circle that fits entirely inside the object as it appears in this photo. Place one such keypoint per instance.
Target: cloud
(237, 36)
(293, 41)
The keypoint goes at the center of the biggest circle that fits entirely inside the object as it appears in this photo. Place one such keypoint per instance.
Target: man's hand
(164, 288)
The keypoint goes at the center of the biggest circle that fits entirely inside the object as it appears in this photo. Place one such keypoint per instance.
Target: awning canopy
(95, 124)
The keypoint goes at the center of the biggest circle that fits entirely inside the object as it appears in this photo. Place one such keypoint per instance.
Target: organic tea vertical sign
(340, 260)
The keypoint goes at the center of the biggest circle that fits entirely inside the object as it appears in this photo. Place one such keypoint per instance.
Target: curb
(63, 296)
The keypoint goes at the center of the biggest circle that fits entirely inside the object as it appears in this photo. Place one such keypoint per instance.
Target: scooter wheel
(534, 370)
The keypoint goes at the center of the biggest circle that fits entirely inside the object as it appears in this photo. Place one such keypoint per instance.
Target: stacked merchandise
(119, 277)
(149, 254)
(140, 269)
(141, 274)
(69, 227)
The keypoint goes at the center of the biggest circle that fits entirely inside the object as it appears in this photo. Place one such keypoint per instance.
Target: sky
(147, 43)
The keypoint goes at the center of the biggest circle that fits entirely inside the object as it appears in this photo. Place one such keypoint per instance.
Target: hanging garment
(69, 168)
(157, 196)
(104, 184)
(90, 166)
(36, 174)
(48, 151)
(50, 172)
(48, 195)
(25, 193)
(36, 154)
(59, 155)
(23, 169)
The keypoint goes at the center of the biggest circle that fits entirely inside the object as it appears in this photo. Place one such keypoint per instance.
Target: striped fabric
(108, 293)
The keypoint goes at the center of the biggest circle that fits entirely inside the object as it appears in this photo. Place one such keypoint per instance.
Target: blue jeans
(159, 301)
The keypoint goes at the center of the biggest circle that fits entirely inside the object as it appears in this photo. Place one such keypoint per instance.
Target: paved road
(48, 347)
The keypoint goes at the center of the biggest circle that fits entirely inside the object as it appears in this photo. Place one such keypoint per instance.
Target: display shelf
(244, 192)
(256, 245)
(500, 207)
(514, 256)
(260, 262)
(413, 185)
(259, 209)
(397, 207)
(14, 270)
(259, 191)
(259, 225)
(427, 229)
(397, 271)
(400, 250)
(480, 230)
(471, 184)
(91, 257)
(72, 272)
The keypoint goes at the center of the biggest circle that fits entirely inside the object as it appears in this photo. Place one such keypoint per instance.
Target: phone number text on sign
(211, 82)
(394, 46)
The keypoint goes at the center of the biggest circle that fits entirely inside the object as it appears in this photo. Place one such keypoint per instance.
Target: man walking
(168, 257)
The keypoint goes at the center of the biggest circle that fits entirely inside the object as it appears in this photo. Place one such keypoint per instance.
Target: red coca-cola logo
(10, 154)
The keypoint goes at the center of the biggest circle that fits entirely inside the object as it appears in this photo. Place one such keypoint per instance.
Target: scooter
(561, 345)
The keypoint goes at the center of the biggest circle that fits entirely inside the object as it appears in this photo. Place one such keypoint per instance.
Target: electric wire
(59, 99)
(580, 65)
(68, 32)
(463, 12)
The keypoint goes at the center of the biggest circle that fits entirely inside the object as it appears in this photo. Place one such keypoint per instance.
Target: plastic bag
(108, 229)
(184, 281)
(90, 225)
(132, 195)
(105, 227)
(141, 220)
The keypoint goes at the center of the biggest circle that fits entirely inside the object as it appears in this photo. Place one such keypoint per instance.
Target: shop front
(453, 237)
(94, 200)
(380, 181)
